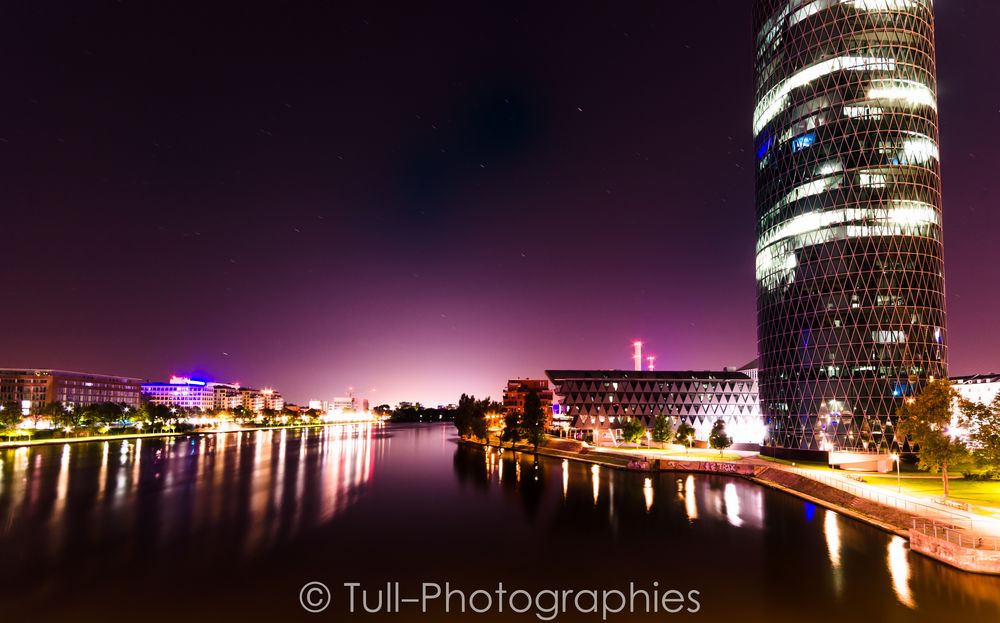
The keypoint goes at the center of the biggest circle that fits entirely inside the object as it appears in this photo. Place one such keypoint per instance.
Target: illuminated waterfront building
(516, 391)
(257, 400)
(850, 271)
(189, 393)
(34, 388)
(181, 392)
(601, 401)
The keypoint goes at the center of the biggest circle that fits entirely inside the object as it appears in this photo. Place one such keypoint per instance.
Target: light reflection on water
(198, 483)
(831, 530)
(899, 568)
(690, 501)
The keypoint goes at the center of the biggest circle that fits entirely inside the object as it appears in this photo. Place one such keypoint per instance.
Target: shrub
(987, 475)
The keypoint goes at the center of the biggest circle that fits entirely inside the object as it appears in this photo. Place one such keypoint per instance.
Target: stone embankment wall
(975, 559)
(892, 519)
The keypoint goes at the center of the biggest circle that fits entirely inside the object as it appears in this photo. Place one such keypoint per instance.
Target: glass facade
(850, 272)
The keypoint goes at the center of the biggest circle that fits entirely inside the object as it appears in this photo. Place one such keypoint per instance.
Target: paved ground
(922, 507)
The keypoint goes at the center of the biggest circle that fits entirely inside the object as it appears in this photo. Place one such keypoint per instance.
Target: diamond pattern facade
(850, 271)
(599, 400)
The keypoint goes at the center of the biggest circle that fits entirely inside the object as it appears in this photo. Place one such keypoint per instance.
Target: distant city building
(601, 401)
(34, 388)
(181, 392)
(273, 399)
(257, 400)
(982, 388)
(516, 391)
(751, 371)
(225, 396)
(189, 393)
(342, 403)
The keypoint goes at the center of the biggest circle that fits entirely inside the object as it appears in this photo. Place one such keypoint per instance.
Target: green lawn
(982, 493)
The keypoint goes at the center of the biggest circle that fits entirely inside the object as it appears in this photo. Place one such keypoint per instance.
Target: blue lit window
(764, 146)
(803, 142)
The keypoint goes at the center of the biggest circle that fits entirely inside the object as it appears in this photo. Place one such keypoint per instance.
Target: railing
(880, 497)
(961, 538)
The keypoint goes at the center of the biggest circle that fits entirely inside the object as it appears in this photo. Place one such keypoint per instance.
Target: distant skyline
(425, 200)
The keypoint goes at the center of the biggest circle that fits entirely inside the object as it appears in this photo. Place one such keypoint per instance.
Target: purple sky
(421, 200)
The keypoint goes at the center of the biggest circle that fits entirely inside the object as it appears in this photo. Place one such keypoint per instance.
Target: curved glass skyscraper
(850, 272)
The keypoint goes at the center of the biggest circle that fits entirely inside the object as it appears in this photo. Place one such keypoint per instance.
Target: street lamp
(899, 484)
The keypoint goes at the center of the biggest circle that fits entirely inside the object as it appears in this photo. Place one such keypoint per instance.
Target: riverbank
(937, 534)
(768, 475)
(886, 518)
(162, 435)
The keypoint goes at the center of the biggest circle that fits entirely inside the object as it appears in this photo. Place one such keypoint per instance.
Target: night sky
(420, 198)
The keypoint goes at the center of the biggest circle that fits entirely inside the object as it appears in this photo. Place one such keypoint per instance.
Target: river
(229, 527)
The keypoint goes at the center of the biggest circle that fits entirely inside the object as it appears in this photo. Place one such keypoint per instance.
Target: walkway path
(921, 506)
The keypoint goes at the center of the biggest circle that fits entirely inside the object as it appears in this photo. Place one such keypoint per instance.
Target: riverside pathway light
(899, 481)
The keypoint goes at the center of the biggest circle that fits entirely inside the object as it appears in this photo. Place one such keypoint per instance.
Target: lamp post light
(899, 483)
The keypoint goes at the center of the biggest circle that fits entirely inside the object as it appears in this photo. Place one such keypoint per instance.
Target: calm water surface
(229, 527)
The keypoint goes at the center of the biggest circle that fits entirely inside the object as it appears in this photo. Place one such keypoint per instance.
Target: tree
(511, 428)
(663, 429)
(52, 411)
(481, 427)
(924, 420)
(10, 416)
(983, 424)
(685, 434)
(633, 430)
(533, 419)
(470, 417)
(156, 414)
(107, 413)
(718, 439)
(242, 413)
(66, 417)
(465, 414)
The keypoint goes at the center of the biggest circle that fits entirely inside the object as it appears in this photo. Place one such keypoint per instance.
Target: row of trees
(926, 420)
(475, 419)
(155, 417)
(415, 413)
(99, 414)
(472, 417)
(663, 432)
